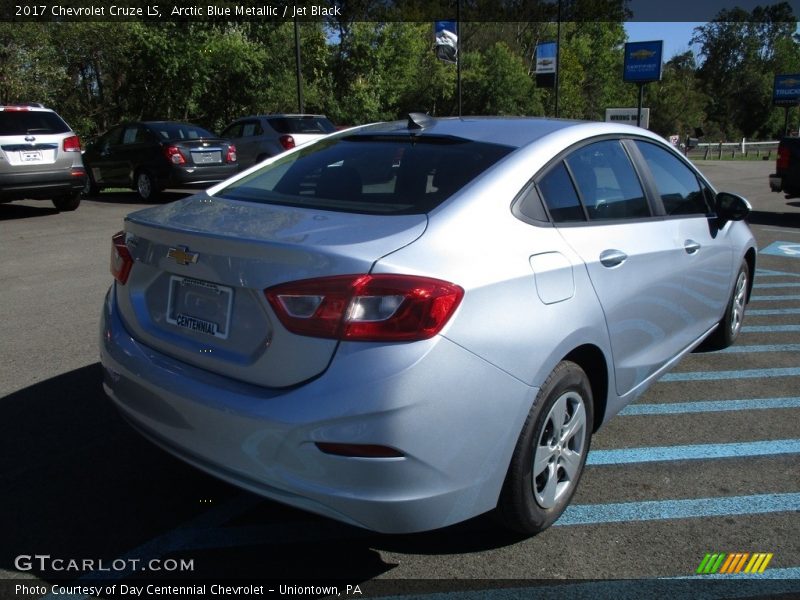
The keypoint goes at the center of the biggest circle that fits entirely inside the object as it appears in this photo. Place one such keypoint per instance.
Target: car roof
(508, 131)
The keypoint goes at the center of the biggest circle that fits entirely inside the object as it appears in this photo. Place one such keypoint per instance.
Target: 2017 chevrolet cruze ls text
(407, 324)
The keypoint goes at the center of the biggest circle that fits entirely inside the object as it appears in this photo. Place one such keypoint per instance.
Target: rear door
(246, 136)
(597, 201)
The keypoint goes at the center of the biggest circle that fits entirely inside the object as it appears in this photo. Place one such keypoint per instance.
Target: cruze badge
(182, 256)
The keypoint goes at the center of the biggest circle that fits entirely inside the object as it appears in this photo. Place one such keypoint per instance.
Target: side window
(676, 183)
(129, 137)
(234, 131)
(529, 205)
(559, 195)
(608, 184)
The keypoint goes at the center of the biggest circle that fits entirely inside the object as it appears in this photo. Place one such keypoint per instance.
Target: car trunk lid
(197, 294)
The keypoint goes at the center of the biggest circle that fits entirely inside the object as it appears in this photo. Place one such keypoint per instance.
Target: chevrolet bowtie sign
(182, 256)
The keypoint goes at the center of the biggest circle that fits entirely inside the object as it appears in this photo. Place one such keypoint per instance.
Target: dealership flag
(446, 40)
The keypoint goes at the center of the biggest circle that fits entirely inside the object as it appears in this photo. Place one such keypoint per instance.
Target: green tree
(742, 51)
(677, 106)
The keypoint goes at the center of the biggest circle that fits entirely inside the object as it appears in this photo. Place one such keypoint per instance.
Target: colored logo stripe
(734, 563)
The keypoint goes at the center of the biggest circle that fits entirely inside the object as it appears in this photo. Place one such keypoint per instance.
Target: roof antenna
(417, 120)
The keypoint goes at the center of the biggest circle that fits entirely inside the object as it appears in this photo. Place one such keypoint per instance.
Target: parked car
(40, 157)
(260, 136)
(787, 167)
(405, 325)
(150, 156)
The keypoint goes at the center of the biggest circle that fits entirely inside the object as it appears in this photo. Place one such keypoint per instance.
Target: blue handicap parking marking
(790, 249)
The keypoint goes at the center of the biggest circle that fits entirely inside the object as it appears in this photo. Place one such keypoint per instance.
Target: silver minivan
(40, 157)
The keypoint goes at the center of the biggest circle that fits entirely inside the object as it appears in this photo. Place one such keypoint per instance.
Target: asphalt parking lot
(705, 462)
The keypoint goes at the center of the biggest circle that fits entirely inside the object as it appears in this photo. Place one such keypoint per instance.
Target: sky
(676, 36)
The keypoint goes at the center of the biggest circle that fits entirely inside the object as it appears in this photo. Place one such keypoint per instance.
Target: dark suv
(40, 157)
(787, 168)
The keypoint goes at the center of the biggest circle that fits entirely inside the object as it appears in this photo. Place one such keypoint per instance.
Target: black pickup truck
(787, 167)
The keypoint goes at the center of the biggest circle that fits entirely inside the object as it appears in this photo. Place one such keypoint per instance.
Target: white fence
(746, 149)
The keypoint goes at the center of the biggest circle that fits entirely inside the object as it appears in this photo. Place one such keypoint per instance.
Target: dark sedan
(150, 156)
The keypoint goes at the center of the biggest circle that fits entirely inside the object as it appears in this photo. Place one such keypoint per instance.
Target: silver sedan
(408, 324)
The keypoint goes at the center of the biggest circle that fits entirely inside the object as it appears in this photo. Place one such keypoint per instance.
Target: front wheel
(730, 325)
(550, 454)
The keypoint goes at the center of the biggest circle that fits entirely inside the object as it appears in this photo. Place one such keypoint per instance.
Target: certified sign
(643, 61)
(786, 90)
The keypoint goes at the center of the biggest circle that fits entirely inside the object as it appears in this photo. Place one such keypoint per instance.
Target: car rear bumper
(455, 418)
(41, 184)
(201, 176)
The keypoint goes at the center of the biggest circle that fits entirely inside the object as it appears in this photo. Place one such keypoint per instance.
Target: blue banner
(643, 61)
(546, 58)
(786, 90)
(445, 42)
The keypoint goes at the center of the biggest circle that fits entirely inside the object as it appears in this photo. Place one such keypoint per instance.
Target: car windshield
(372, 174)
(307, 124)
(22, 122)
(179, 131)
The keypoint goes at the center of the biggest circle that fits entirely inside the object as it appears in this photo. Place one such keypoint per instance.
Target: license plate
(205, 158)
(31, 156)
(200, 306)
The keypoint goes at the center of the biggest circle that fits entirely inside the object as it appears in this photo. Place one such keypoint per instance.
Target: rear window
(370, 174)
(302, 125)
(179, 131)
(23, 122)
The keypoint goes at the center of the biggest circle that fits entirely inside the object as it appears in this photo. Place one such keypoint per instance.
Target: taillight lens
(366, 307)
(286, 141)
(783, 157)
(72, 144)
(231, 155)
(121, 259)
(173, 154)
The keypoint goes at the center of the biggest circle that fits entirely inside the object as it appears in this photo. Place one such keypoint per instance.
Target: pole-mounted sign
(642, 65)
(786, 93)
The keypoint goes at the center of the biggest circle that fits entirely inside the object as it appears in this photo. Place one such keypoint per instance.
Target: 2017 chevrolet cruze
(408, 324)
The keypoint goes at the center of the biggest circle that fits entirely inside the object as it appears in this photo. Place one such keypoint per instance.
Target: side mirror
(731, 207)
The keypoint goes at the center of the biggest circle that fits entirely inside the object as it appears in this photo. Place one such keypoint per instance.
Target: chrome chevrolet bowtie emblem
(182, 256)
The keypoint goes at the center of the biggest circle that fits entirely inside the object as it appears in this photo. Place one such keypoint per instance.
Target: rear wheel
(67, 202)
(550, 453)
(730, 326)
(146, 186)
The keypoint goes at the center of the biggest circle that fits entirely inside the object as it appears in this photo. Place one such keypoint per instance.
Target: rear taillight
(783, 158)
(174, 155)
(231, 155)
(121, 259)
(286, 141)
(366, 307)
(72, 144)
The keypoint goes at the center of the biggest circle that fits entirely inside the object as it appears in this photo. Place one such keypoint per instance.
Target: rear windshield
(369, 174)
(302, 125)
(22, 122)
(179, 131)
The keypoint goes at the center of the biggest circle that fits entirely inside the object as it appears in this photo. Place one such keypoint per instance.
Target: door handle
(612, 258)
(691, 246)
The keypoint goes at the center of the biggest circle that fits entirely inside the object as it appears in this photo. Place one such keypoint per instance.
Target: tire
(730, 325)
(67, 203)
(549, 458)
(90, 189)
(146, 186)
